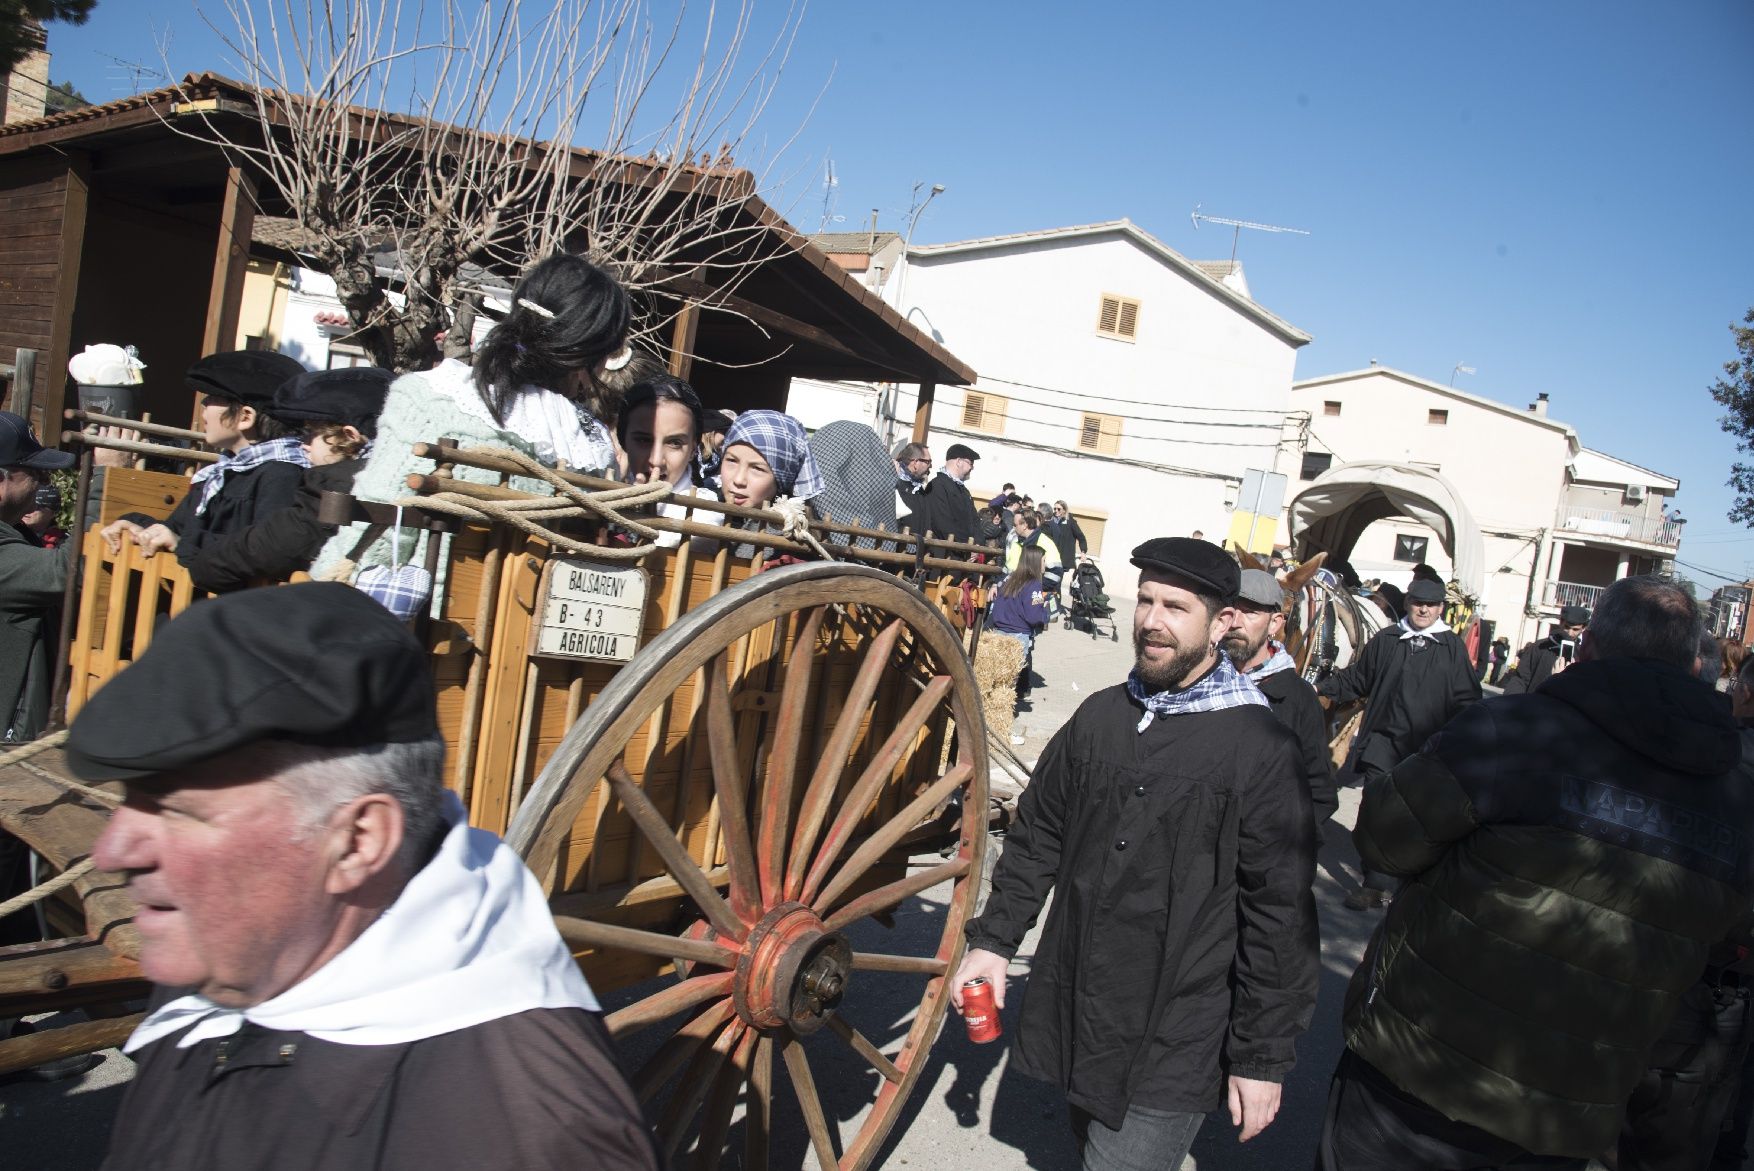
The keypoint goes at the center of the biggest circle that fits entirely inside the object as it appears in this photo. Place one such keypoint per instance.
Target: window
(1410, 549)
(1118, 318)
(1100, 433)
(1314, 464)
(984, 412)
(346, 354)
(1437, 418)
(1331, 408)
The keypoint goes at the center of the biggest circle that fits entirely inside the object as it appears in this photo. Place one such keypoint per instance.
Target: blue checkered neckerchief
(1279, 660)
(782, 443)
(288, 449)
(1220, 688)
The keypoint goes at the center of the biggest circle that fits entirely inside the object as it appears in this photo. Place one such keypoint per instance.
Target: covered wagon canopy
(1332, 513)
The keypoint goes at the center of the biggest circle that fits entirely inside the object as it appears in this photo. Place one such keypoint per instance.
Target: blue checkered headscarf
(782, 443)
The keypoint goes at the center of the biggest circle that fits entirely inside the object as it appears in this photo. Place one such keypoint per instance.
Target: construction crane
(1237, 226)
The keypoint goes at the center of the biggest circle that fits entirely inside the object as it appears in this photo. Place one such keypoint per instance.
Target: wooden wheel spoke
(758, 1117)
(733, 798)
(782, 760)
(681, 1045)
(863, 1047)
(898, 826)
(716, 1119)
(684, 869)
(811, 1106)
(692, 1090)
(601, 935)
(885, 897)
(866, 961)
(670, 1001)
(865, 789)
(820, 794)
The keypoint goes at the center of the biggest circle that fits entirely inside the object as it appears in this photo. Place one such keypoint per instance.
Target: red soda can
(979, 1011)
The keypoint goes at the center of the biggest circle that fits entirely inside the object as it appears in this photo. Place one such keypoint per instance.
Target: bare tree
(421, 144)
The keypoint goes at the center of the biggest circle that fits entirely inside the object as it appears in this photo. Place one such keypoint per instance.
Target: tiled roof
(860, 242)
(1216, 269)
(1128, 228)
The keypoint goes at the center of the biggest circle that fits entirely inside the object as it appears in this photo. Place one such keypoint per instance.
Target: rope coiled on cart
(75, 872)
(569, 502)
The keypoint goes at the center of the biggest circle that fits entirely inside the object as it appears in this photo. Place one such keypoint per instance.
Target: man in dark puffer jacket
(1571, 856)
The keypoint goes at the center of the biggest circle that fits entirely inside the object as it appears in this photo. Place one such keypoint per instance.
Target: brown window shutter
(1129, 319)
(1111, 312)
(1090, 436)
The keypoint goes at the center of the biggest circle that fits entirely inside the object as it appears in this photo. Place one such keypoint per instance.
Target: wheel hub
(793, 971)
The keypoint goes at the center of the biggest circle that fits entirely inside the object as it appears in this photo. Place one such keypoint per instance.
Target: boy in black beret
(261, 463)
(336, 413)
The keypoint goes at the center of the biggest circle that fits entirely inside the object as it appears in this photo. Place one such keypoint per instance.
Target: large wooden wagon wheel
(816, 818)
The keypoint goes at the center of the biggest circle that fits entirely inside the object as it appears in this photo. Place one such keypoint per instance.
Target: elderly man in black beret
(349, 975)
(1170, 820)
(1415, 677)
(1539, 660)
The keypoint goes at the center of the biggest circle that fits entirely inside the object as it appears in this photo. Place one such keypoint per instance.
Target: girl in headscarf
(659, 429)
(767, 455)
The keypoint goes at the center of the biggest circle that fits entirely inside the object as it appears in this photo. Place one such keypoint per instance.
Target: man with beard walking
(1253, 645)
(1151, 1011)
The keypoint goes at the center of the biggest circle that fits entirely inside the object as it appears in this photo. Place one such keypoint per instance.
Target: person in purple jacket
(1020, 611)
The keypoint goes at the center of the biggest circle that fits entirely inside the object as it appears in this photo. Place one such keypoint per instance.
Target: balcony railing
(1570, 593)
(1621, 526)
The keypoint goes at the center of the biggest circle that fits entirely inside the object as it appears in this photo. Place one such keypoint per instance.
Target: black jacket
(1294, 702)
(1571, 857)
(32, 579)
(277, 545)
(913, 505)
(1067, 537)
(1534, 664)
(1411, 694)
(953, 516)
(1182, 940)
(246, 497)
(536, 1090)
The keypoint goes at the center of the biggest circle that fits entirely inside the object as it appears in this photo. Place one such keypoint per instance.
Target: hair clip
(538, 310)
(617, 361)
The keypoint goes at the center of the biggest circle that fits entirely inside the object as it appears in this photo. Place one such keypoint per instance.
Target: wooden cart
(727, 818)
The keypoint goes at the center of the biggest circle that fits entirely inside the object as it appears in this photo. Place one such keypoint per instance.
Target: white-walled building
(1560, 522)
(1115, 374)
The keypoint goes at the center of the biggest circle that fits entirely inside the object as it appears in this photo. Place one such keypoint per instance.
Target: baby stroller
(1090, 610)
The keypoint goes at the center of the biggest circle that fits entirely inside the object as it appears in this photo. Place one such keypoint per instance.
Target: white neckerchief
(469, 940)
(1432, 631)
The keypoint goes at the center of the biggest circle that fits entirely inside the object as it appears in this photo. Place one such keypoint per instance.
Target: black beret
(1423, 589)
(1201, 562)
(1574, 616)
(961, 451)
(352, 395)
(247, 376)
(317, 663)
(714, 421)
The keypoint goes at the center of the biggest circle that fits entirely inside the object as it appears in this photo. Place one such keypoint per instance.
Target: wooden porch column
(231, 259)
(682, 339)
(923, 411)
(52, 366)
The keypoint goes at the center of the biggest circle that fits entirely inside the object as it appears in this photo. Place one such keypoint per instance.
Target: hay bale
(996, 664)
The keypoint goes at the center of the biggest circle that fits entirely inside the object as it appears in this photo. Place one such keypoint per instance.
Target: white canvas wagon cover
(1333, 512)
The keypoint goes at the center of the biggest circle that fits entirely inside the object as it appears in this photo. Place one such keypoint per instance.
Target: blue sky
(1557, 194)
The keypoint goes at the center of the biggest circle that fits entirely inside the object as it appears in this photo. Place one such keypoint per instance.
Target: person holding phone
(1540, 660)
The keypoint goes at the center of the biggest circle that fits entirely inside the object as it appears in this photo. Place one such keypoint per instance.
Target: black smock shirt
(1411, 693)
(534, 1090)
(1182, 942)
(1295, 704)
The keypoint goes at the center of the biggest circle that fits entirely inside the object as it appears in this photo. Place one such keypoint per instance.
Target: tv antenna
(1237, 226)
